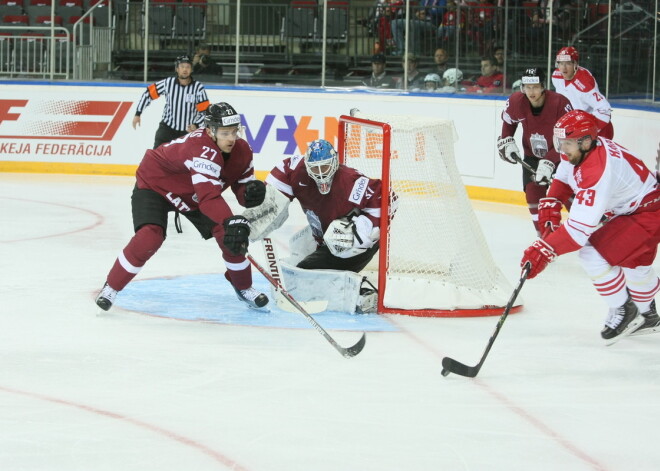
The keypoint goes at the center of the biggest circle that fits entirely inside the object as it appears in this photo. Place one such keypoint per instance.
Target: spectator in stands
(482, 25)
(204, 64)
(185, 103)
(379, 23)
(441, 59)
(451, 21)
(420, 29)
(498, 54)
(431, 82)
(490, 80)
(451, 81)
(415, 77)
(379, 77)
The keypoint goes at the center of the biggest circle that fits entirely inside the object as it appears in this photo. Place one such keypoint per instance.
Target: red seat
(45, 21)
(16, 20)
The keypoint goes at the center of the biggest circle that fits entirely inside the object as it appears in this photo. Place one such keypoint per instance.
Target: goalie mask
(322, 163)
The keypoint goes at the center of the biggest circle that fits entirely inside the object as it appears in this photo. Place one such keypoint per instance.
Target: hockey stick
(517, 158)
(346, 352)
(449, 365)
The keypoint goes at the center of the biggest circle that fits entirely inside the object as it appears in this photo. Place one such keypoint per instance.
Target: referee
(185, 103)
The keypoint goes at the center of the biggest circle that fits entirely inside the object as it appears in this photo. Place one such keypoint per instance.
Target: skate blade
(648, 330)
(636, 322)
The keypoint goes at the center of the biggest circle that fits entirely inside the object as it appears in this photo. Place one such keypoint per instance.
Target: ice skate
(106, 297)
(621, 321)
(651, 322)
(252, 297)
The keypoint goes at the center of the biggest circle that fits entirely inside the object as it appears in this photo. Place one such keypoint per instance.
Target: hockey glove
(255, 192)
(237, 230)
(550, 213)
(538, 255)
(544, 172)
(507, 147)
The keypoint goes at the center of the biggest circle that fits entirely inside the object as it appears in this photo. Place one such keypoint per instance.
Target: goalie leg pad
(341, 289)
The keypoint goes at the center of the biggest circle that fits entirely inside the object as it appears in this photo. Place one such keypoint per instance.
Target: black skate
(252, 297)
(651, 322)
(621, 321)
(106, 297)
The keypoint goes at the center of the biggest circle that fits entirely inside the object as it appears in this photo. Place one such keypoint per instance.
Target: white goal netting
(436, 256)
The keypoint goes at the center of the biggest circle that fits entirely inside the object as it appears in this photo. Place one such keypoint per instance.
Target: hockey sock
(533, 193)
(643, 284)
(609, 281)
(238, 273)
(146, 242)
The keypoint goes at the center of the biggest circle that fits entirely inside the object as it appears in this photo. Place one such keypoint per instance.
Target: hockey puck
(445, 372)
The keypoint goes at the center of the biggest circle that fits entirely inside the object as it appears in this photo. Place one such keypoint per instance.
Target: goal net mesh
(436, 257)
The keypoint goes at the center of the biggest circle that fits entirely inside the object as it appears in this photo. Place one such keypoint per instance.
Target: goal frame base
(485, 312)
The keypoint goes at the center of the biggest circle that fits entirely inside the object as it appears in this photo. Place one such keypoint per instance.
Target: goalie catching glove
(507, 148)
(350, 236)
(237, 230)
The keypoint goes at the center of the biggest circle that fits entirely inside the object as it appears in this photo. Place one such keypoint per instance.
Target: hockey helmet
(432, 78)
(322, 163)
(533, 75)
(452, 76)
(576, 124)
(567, 54)
(182, 60)
(221, 115)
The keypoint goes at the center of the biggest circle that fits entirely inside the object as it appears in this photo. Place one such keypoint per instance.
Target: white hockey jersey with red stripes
(610, 181)
(583, 93)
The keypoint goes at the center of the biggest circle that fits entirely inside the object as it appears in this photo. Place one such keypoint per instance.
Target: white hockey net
(436, 261)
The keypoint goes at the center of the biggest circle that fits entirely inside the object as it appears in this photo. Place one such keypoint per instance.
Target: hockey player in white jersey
(610, 184)
(578, 85)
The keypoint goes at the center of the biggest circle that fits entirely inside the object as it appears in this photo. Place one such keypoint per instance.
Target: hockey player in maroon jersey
(342, 207)
(579, 86)
(609, 183)
(189, 175)
(536, 110)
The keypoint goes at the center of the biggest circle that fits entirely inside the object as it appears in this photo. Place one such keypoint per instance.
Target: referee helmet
(182, 60)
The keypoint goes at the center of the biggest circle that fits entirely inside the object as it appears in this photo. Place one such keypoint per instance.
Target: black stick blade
(449, 365)
(355, 349)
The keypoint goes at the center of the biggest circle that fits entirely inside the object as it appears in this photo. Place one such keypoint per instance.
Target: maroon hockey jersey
(537, 129)
(350, 190)
(192, 172)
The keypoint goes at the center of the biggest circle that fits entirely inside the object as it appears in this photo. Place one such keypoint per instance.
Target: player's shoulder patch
(592, 169)
(583, 80)
(359, 189)
(295, 160)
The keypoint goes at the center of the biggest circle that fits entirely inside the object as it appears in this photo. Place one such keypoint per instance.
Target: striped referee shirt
(184, 104)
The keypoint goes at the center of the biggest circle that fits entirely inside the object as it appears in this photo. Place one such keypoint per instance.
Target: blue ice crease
(210, 298)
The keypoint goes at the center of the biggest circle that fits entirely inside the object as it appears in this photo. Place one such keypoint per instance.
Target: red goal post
(433, 259)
